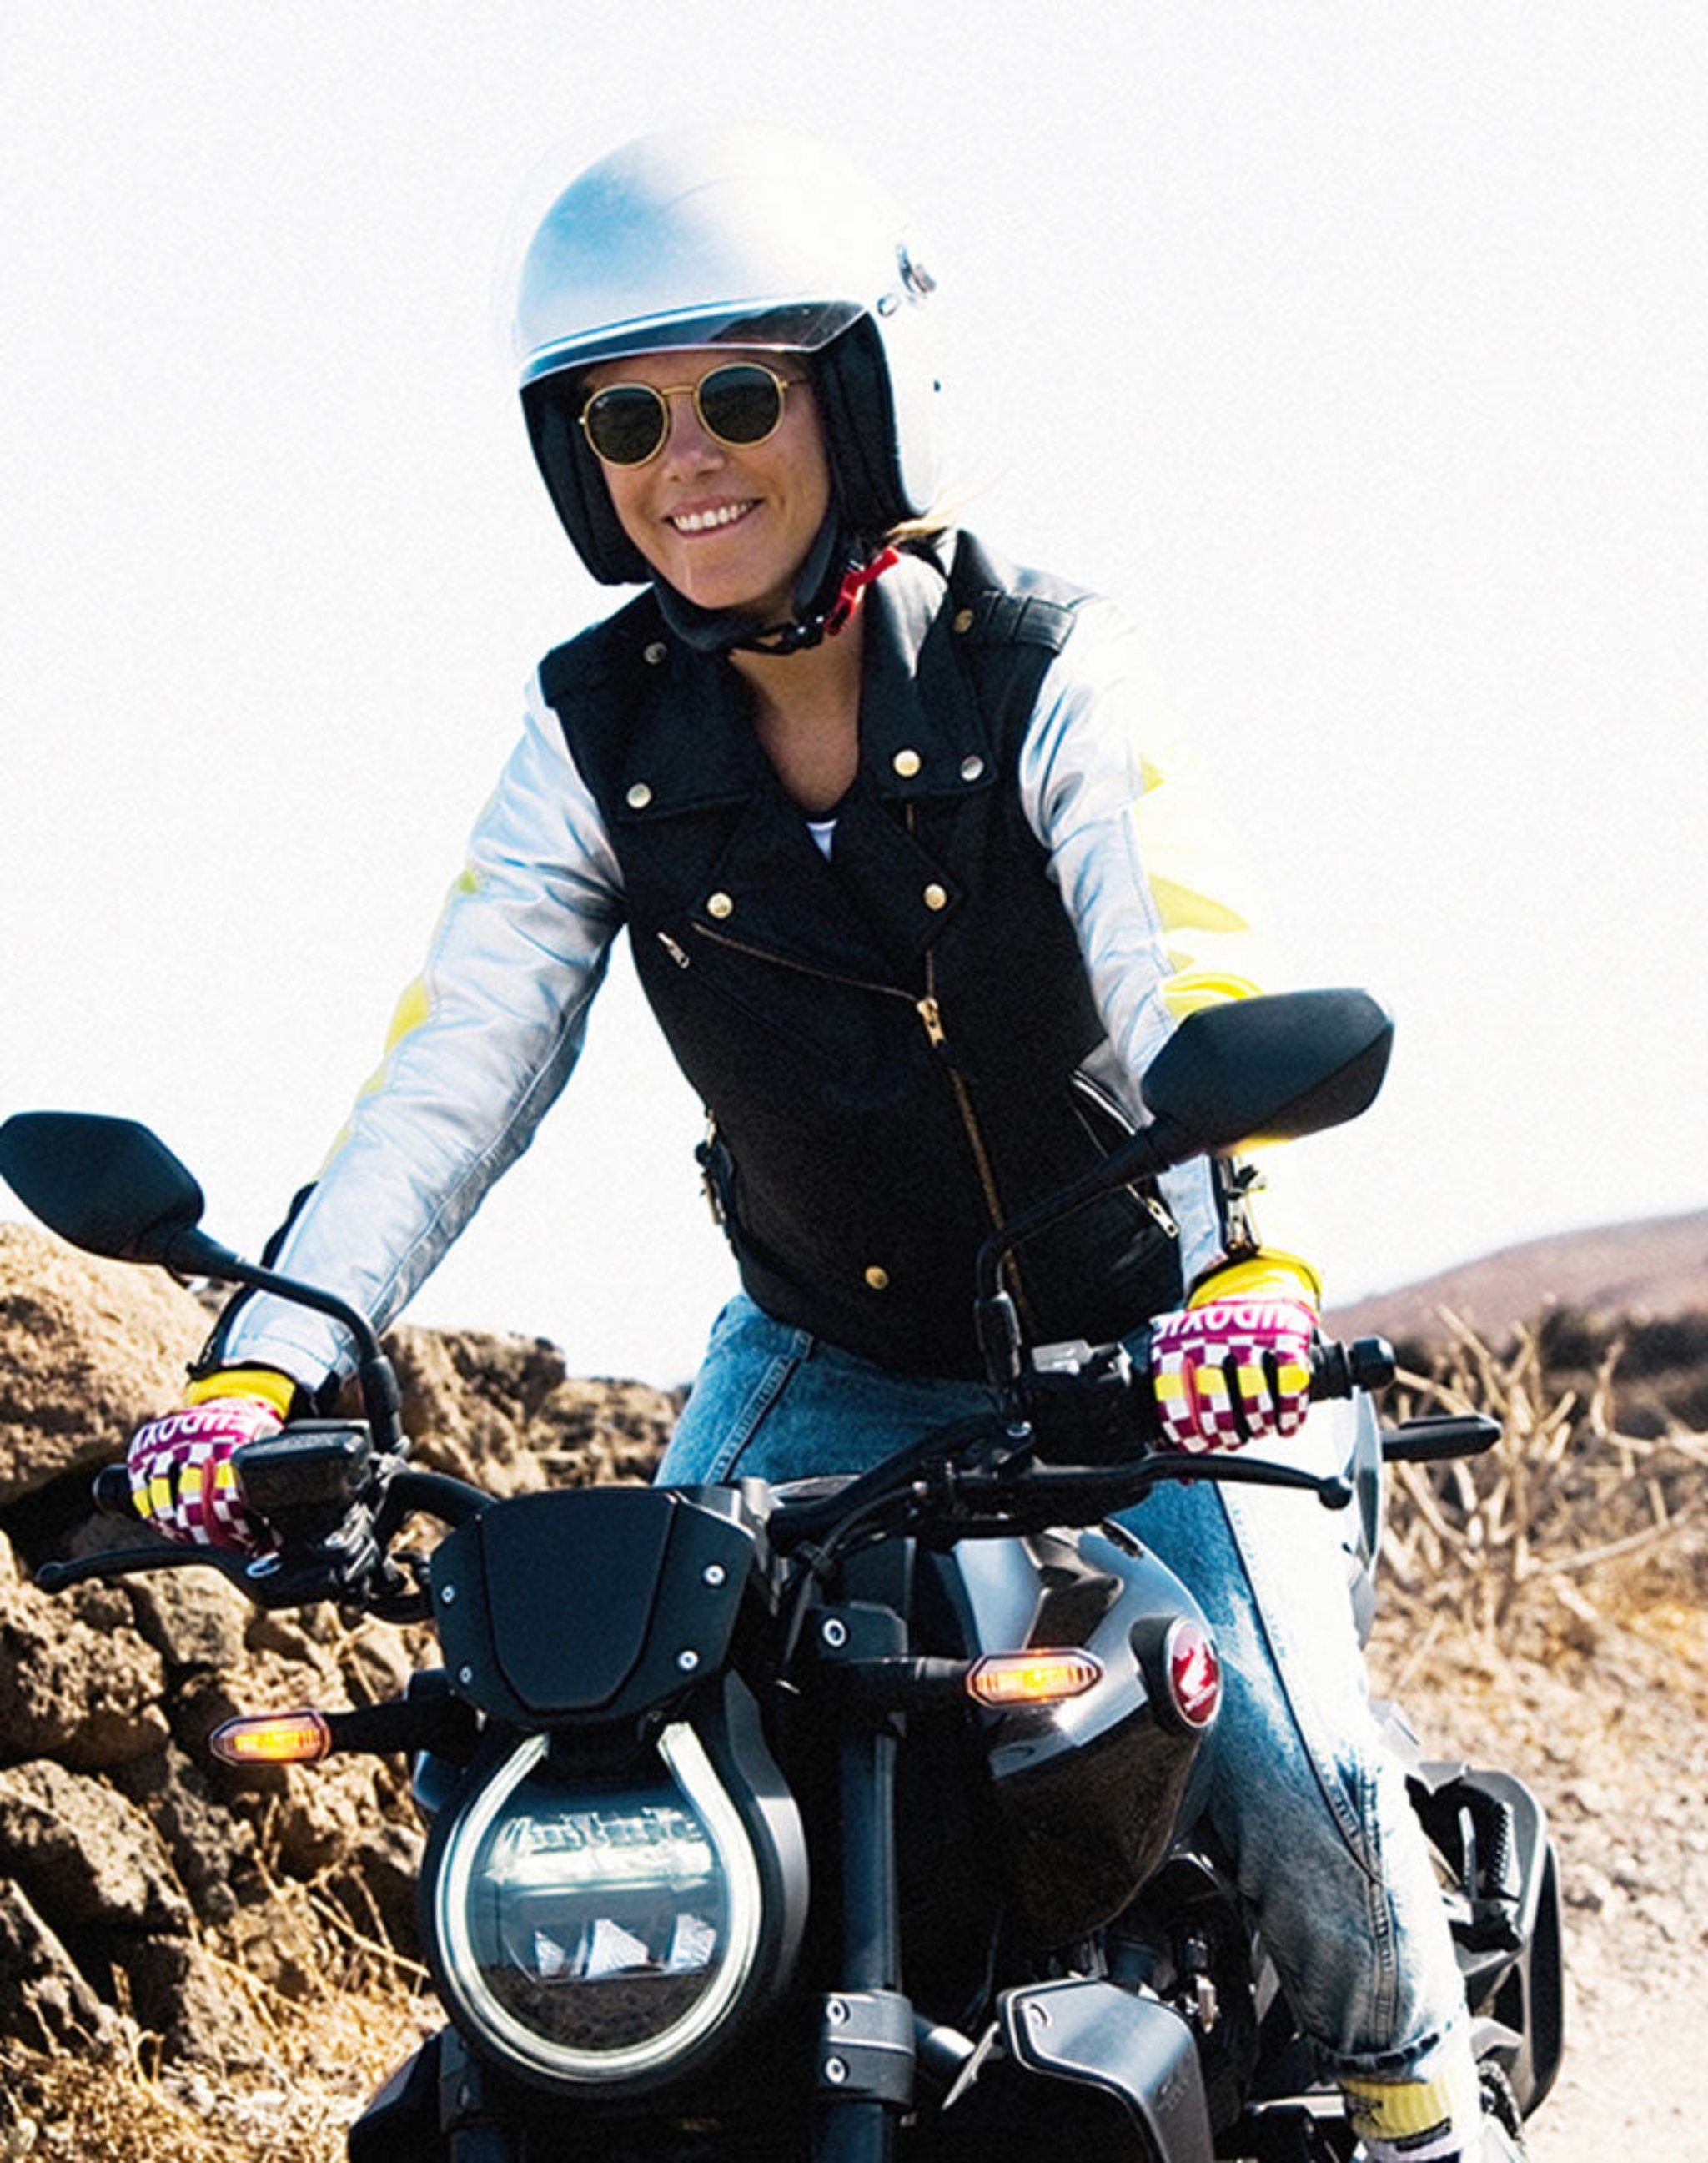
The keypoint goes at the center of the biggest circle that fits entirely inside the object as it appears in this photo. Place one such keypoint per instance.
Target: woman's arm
(1168, 913)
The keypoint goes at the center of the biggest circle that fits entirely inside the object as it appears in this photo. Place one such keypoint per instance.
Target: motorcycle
(850, 1817)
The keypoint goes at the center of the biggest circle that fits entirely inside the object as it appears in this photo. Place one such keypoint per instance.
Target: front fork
(865, 2066)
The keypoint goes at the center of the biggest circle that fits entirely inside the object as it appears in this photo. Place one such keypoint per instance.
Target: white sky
(1359, 350)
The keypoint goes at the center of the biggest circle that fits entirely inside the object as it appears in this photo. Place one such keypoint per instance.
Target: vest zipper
(787, 961)
(931, 1014)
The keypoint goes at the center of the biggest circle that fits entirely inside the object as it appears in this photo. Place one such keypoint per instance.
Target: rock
(378, 1663)
(193, 1618)
(88, 1349)
(501, 1411)
(280, 1942)
(474, 1431)
(84, 1855)
(87, 1692)
(122, 1843)
(212, 1846)
(301, 1636)
(377, 1884)
(181, 1992)
(44, 2000)
(324, 1816)
(587, 1432)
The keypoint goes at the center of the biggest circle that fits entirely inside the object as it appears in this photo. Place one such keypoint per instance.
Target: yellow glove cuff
(1265, 1274)
(266, 1383)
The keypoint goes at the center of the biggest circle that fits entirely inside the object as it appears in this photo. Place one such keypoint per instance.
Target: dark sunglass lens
(740, 404)
(625, 424)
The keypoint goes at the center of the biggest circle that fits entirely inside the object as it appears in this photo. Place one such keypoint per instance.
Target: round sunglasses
(739, 403)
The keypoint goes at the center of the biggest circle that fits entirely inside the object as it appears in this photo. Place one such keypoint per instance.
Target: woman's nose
(688, 445)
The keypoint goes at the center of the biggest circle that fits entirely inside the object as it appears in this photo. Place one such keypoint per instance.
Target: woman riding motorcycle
(918, 879)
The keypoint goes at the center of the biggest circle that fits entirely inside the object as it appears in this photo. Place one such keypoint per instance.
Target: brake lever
(132, 1562)
(348, 1564)
(1332, 1489)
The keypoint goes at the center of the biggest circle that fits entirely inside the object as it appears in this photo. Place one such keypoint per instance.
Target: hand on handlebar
(1235, 1366)
(182, 1479)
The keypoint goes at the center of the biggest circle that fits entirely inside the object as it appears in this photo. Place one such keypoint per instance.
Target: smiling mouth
(709, 522)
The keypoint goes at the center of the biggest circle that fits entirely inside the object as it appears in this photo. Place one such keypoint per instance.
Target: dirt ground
(1605, 1713)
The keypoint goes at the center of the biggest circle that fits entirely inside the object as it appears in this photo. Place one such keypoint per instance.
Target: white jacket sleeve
(1166, 907)
(481, 1045)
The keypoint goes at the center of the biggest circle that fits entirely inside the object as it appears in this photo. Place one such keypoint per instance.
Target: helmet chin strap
(827, 591)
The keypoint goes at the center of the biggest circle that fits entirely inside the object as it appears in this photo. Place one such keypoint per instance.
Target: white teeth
(704, 522)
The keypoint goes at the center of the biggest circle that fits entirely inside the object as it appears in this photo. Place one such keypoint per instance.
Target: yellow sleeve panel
(1181, 909)
(413, 1009)
(1188, 989)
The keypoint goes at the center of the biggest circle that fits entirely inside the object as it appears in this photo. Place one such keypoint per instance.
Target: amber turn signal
(278, 1738)
(1031, 1678)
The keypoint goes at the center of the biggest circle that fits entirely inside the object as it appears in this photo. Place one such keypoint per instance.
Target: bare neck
(807, 708)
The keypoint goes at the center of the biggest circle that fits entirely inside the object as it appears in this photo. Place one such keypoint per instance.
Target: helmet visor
(782, 326)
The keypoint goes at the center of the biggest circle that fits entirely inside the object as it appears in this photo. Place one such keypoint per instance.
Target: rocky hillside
(196, 1967)
(137, 1881)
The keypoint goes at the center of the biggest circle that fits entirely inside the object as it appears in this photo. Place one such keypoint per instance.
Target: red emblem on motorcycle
(1194, 1671)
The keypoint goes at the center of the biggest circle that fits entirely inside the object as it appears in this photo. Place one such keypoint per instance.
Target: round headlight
(591, 1932)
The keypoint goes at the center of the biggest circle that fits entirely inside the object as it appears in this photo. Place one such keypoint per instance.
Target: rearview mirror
(109, 1185)
(1255, 1070)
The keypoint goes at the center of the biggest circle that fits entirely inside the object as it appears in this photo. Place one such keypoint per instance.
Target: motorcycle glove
(1234, 1366)
(182, 1479)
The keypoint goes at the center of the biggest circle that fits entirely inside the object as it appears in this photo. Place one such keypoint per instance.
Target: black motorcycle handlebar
(1083, 1443)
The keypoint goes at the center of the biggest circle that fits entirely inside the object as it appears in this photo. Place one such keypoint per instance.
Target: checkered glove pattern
(182, 1479)
(1232, 1371)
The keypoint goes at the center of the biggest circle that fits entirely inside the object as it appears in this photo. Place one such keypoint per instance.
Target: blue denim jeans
(1299, 1786)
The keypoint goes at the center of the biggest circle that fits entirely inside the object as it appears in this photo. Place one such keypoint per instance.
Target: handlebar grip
(1337, 1370)
(112, 1492)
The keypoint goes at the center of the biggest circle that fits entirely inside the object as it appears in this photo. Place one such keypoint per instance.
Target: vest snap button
(719, 905)
(964, 620)
(935, 897)
(877, 1278)
(638, 796)
(654, 655)
(907, 764)
(972, 767)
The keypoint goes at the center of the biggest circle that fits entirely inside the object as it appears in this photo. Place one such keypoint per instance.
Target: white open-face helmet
(753, 236)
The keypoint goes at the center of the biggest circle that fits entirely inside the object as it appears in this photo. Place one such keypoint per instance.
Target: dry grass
(313, 2073)
(313, 2061)
(1566, 1509)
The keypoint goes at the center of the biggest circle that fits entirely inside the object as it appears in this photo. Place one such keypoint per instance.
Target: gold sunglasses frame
(664, 392)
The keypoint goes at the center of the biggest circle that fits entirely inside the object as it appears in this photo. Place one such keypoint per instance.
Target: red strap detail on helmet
(854, 583)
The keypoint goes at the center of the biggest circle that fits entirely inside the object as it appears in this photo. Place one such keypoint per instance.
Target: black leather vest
(889, 1042)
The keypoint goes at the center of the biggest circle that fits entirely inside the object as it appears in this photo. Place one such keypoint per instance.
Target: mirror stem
(195, 1254)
